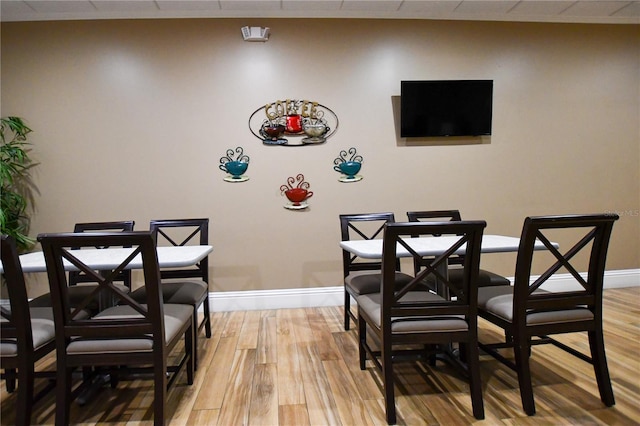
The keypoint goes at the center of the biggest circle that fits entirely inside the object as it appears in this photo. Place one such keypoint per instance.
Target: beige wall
(130, 119)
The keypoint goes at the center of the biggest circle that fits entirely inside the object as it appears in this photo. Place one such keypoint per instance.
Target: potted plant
(17, 187)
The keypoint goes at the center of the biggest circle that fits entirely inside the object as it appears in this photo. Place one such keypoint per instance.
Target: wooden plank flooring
(299, 367)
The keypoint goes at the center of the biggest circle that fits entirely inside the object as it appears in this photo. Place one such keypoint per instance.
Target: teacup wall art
(235, 164)
(297, 192)
(348, 164)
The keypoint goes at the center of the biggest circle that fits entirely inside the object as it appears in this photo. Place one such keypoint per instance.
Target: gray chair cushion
(190, 292)
(42, 330)
(77, 293)
(485, 278)
(371, 305)
(174, 317)
(366, 282)
(499, 301)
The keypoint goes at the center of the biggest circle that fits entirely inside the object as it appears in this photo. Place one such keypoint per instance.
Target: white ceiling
(582, 11)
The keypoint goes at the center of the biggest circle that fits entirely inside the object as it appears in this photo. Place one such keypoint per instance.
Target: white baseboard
(334, 296)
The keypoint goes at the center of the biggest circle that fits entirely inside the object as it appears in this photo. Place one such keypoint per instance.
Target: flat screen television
(445, 108)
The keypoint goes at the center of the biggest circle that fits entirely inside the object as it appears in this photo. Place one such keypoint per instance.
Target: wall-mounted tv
(445, 108)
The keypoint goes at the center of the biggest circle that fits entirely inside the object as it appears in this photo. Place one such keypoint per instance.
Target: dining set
(99, 326)
(429, 310)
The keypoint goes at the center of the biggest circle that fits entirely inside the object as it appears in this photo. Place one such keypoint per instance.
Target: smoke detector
(255, 33)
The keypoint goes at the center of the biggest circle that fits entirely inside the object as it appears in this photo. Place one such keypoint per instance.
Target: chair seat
(174, 318)
(42, 330)
(499, 301)
(77, 293)
(367, 282)
(485, 278)
(190, 292)
(371, 305)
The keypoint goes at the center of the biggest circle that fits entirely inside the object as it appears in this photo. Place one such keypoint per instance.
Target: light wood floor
(299, 367)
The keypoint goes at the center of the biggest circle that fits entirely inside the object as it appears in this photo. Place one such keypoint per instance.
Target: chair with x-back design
(405, 315)
(529, 314)
(188, 286)
(128, 334)
(485, 278)
(27, 335)
(362, 276)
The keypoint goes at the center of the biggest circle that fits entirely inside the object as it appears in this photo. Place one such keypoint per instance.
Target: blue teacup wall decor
(348, 164)
(235, 163)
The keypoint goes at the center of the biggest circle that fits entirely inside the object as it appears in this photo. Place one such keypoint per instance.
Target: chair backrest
(16, 323)
(434, 216)
(69, 320)
(119, 226)
(466, 238)
(181, 232)
(362, 226)
(587, 237)
(123, 225)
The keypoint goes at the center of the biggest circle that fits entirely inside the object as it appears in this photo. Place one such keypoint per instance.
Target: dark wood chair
(27, 336)
(485, 278)
(128, 334)
(187, 286)
(362, 276)
(529, 314)
(83, 286)
(410, 315)
(76, 277)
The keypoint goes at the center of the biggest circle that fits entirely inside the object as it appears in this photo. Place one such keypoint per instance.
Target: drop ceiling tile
(180, 5)
(372, 5)
(14, 7)
(484, 7)
(537, 7)
(124, 5)
(595, 8)
(311, 4)
(250, 5)
(436, 7)
(58, 6)
(632, 10)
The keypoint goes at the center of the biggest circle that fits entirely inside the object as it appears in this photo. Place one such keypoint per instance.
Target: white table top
(433, 246)
(168, 257)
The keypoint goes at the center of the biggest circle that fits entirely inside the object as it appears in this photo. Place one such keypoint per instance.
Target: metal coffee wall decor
(235, 164)
(293, 123)
(297, 192)
(348, 164)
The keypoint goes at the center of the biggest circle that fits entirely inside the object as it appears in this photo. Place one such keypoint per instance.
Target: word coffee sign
(277, 122)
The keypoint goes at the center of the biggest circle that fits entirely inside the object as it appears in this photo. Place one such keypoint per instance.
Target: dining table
(108, 258)
(105, 259)
(435, 246)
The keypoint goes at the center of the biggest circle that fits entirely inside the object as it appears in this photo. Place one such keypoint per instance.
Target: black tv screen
(446, 108)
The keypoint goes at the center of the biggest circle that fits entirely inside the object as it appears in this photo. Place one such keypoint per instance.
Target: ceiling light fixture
(255, 33)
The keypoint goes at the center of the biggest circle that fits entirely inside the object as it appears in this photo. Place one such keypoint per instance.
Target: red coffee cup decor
(297, 192)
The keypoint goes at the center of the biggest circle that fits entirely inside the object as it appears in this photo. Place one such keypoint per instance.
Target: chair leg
(10, 379)
(347, 308)
(190, 349)
(63, 394)
(475, 384)
(522, 352)
(362, 341)
(25, 395)
(196, 329)
(207, 318)
(387, 377)
(596, 343)
(159, 392)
